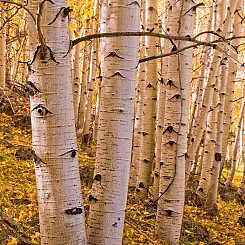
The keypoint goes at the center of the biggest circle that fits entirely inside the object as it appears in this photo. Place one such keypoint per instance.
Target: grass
(18, 199)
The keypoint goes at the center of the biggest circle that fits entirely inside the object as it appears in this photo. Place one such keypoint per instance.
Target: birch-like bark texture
(116, 114)
(232, 72)
(139, 102)
(236, 146)
(84, 81)
(200, 126)
(61, 212)
(76, 85)
(209, 147)
(174, 145)
(94, 64)
(215, 172)
(147, 146)
(2, 57)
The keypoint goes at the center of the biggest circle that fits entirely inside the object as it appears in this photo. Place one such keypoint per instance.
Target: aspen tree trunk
(236, 146)
(61, 212)
(232, 71)
(84, 81)
(161, 98)
(2, 58)
(174, 145)
(88, 119)
(200, 126)
(94, 64)
(147, 147)
(209, 148)
(159, 132)
(215, 173)
(116, 114)
(241, 189)
(139, 101)
(76, 85)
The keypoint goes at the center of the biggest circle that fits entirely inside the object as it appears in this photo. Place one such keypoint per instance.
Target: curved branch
(22, 6)
(138, 34)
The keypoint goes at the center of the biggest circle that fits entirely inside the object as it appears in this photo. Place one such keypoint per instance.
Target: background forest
(122, 122)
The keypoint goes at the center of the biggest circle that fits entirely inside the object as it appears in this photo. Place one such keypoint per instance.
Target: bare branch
(22, 6)
(138, 34)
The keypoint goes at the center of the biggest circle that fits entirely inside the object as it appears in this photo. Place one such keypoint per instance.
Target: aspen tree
(180, 21)
(94, 64)
(2, 58)
(61, 212)
(236, 146)
(215, 172)
(200, 126)
(147, 146)
(116, 113)
(84, 81)
(161, 98)
(139, 101)
(232, 72)
(76, 85)
(209, 147)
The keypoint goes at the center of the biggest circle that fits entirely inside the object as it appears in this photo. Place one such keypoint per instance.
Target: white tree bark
(116, 113)
(138, 111)
(76, 85)
(54, 151)
(200, 126)
(174, 145)
(2, 58)
(147, 147)
(215, 172)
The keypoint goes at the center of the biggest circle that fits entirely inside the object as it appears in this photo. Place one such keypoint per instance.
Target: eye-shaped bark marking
(170, 83)
(149, 85)
(145, 133)
(114, 225)
(217, 156)
(113, 54)
(141, 185)
(72, 153)
(37, 160)
(74, 211)
(156, 174)
(92, 198)
(42, 52)
(171, 142)
(169, 212)
(170, 129)
(134, 3)
(176, 96)
(117, 74)
(97, 177)
(31, 89)
(41, 110)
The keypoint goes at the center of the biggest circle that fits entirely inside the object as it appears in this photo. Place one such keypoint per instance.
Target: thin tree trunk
(236, 146)
(147, 147)
(2, 58)
(215, 173)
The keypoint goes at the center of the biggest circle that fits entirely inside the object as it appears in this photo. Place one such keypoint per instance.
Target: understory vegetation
(18, 199)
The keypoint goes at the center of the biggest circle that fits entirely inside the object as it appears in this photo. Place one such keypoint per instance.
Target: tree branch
(22, 6)
(138, 34)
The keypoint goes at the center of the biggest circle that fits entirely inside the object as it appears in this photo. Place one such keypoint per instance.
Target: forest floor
(18, 199)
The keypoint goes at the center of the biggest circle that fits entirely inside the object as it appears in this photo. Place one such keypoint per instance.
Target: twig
(22, 6)
(140, 232)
